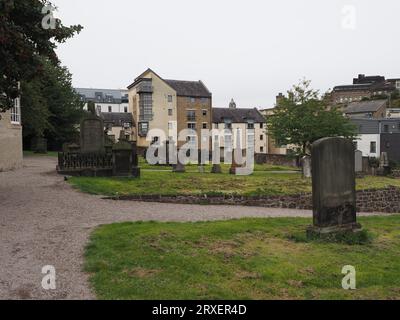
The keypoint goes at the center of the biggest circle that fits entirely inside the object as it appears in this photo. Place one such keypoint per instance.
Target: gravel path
(43, 221)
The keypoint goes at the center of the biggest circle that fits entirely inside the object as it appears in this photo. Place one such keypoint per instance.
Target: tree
(304, 117)
(55, 109)
(24, 41)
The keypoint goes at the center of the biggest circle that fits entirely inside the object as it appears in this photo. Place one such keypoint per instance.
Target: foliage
(303, 117)
(51, 107)
(239, 259)
(23, 43)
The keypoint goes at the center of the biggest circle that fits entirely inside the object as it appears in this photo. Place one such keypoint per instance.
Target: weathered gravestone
(92, 133)
(384, 166)
(333, 180)
(358, 161)
(306, 166)
(123, 158)
(179, 167)
(237, 155)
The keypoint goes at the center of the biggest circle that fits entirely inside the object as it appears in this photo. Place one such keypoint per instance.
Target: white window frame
(15, 112)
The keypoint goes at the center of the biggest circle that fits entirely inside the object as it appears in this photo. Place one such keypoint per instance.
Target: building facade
(164, 108)
(233, 121)
(364, 87)
(378, 135)
(11, 154)
(113, 106)
(376, 109)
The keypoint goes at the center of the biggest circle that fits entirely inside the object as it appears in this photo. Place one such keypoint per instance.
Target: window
(261, 125)
(170, 125)
(204, 113)
(192, 100)
(191, 139)
(228, 125)
(262, 149)
(125, 109)
(98, 109)
(250, 126)
(146, 107)
(16, 112)
(191, 115)
(192, 126)
(170, 112)
(204, 125)
(373, 147)
(262, 137)
(170, 98)
(109, 109)
(143, 128)
(204, 100)
(386, 128)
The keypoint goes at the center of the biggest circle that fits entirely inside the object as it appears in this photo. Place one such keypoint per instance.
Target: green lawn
(48, 154)
(240, 259)
(168, 183)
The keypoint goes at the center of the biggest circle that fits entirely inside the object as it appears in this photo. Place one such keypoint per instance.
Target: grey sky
(249, 50)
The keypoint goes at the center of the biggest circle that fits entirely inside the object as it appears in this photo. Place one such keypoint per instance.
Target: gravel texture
(44, 221)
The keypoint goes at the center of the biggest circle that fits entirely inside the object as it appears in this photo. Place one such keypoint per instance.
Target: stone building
(367, 109)
(364, 87)
(232, 120)
(163, 108)
(11, 138)
(113, 106)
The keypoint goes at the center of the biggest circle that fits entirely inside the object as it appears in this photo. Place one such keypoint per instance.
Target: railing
(79, 161)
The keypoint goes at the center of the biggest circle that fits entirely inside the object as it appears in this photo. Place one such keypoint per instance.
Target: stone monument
(384, 166)
(236, 155)
(123, 158)
(306, 165)
(92, 132)
(358, 161)
(333, 181)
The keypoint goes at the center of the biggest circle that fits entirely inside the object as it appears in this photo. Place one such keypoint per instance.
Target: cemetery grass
(190, 183)
(240, 259)
(48, 154)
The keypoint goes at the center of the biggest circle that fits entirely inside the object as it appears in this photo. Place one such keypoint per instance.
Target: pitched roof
(118, 118)
(195, 89)
(365, 106)
(237, 115)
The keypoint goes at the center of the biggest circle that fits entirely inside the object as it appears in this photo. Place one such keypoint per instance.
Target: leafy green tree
(304, 117)
(51, 107)
(23, 41)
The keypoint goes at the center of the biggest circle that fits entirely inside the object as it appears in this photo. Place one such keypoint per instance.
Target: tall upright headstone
(334, 189)
(306, 165)
(358, 161)
(92, 132)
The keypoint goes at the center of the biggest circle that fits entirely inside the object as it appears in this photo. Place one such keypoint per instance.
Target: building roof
(241, 115)
(89, 94)
(117, 118)
(189, 88)
(365, 106)
(376, 126)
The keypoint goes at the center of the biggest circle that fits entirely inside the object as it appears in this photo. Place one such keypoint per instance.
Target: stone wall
(10, 143)
(275, 159)
(373, 200)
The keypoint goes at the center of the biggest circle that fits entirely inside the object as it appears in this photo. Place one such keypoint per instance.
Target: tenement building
(113, 106)
(364, 87)
(163, 108)
(11, 138)
(232, 121)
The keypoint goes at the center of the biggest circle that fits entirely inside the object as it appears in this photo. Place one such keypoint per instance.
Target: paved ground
(43, 221)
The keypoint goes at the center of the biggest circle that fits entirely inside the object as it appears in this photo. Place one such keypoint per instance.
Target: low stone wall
(275, 159)
(373, 200)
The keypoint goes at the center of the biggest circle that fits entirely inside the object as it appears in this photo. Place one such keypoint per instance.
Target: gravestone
(178, 168)
(358, 161)
(216, 168)
(39, 145)
(135, 161)
(333, 181)
(306, 166)
(384, 166)
(92, 132)
(123, 160)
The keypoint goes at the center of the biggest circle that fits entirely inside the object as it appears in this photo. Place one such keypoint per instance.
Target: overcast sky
(247, 50)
